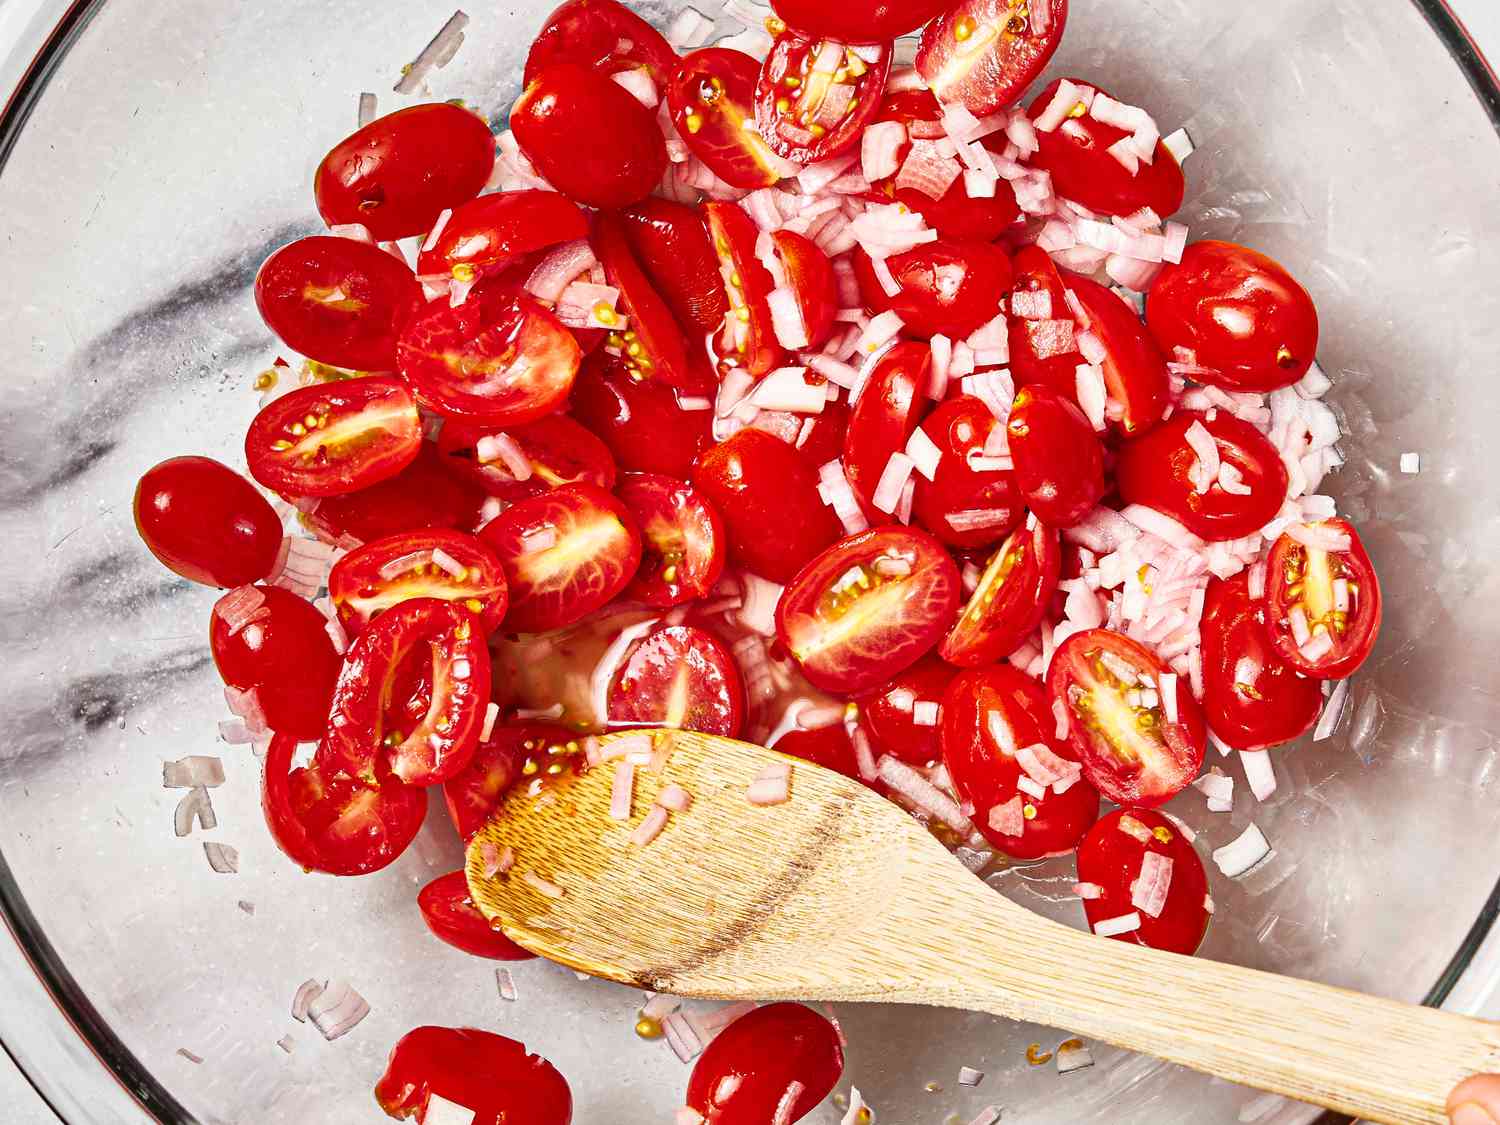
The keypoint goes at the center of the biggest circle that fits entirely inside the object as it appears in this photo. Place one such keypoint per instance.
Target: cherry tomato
(331, 438)
(1044, 350)
(984, 53)
(884, 416)
(961, 505)
(1008, 604)
(825, 437)
(1156, 470)
(863, 21)
(327, 821)
(486, 235)
(775, 1063)
(204, 521)
(767, 494)
(682, 540)
(1323, 600)
(509, 754)
(749, 337)
(566, 553)
(1139, 745)
(423, 494)
(496, 359)
(490, 1075)
(588, 136)
(814, 96)
(828, 747)
(947, 288)
(1135, 375)
(338, 301)
(989, 714)
(651, 346)
(556, 449)
(1076, 155)
(1059, 463)
(1111, 858)
(809, 275)
(452, 916)
(397, 174)
(712, 98)
(889, 715)
(680, 677)
(600, 34)
(867, 608)
(371, 579)
(639, 420)
(671, 244)
(1241, 315)
(283, 653)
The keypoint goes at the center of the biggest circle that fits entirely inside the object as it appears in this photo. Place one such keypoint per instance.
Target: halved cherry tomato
(749, 337)
(1044, 349)
(602, 34)
(1008, 604)
(327, 821)
(338, 301)
(1241, 315)
(670, 241)
(961, 505)
(371, 579)
(861, 21)
(1059, 463)
(712, 97)
(284, 654)
(1139, 744)
(1323, 600)
(984, 53)
(773, 1064)
(588, 136)
(815, 95)
(423, 494)
(486, 235)
(510, 754)
(948, 288)
(331, 438)
(1135, 375)
(825, 437)
(492, 1076)
(829, 747)
(1156, 470)
(1076, 155)
(639, 420)
(1111, 857)
(495, 359)
(989, 714)
(651, 346)
(1252, 699)
(566, 553)
(889, 714)
(867, 608)
(204, 521)
(680, 677)
(683, 541)
(557, 450)
(397, 174)
(452, 917)
(768, 495)
(809, 275)
(884, 416)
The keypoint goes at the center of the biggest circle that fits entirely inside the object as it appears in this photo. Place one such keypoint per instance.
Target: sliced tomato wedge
(962, 505)
(670, 241)
(452, 917)
(1135, 726)
(814, 96)
(1113, 858)
(1043, 341)
(423, 494)
(1059, 462)
(868, 608)
(639, 420)
(1135, 375)
(283, 653)
(512, 754)
(712, 99)
(553, 451)
(683, 540)
(946, 288)
(777, 1062)
(566, 553)
(886, 413)
(485, 236)
(809, 275)
(651, 344)
(682, 678)
(1323, 599)
(749, 336)
(984, 53)
(1012, 596)
(891, 712)
(602, 34)
(493, 1077)
(435, 563)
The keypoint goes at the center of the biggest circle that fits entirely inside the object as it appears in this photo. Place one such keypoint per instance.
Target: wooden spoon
(838, 894)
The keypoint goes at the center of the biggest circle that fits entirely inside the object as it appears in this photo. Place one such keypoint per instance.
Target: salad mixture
(829, 387)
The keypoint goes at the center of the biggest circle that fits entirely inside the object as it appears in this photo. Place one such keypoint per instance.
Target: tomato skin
(452, 917)
(825, 441)
(475, 792)
(1059, 462)
(680, 665)
(947, 288)
(397, 174)
(1287, 570)
(589, 137)
(829, 747)
(972, 54)
(360, 586)
(960, 428)
(1111, 858)
(559, 449)
(881, 423)
(286, 657)
(890, 725)
(751, 342)
(423, 494)
(1010, 601)
(1242, 315)
(639, 420)
(715, 86)
(809, 275)
(589, 32)
(767, 494)
(662, 353)
(205, 522)
(1135, 375)
(487, 1073)
(671, 244)
(752, 1065)
(864, 21)
(806, 133)
(1153, 470)
(680, 532)
(486, 235)
(1038, 354)
(337, 301)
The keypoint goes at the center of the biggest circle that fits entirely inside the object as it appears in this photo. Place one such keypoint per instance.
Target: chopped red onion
(436, 55)
(622, 790)
(286, 1043)
(367, 109)
(505, 984)
(1043, 766)
(924, 713)
(544, 887)
(772, 786)
(196, 1060)
(925, 796)
(1244, 853)
(927, 170)
(638, 84)
(681, 1037)
(307, 992)
(1333, 711)
(1008, 819)
(1124, 151)
(1148, 893)
(337, 1010)
(241, 605)
(1179, 144)
(440, 1111)
(1260, 774)
(790, 389)
(1088, 890)
(1031, 788)
(559, 268)
(1124, 924)
(195, 805)
(1319, 537)
(193, 772)
(687, 1115)
(1068, 96)
(221, 857)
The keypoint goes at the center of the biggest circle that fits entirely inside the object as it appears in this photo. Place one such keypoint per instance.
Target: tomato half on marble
(432, 563)
(749, 336)
(775, 1063)
(486, 236)
(886, 413)
(967, 503)
(891, 711)
(452, 917)
(670, 241)
(423, 494)
(1059, 462)
(548, 453)
(1135, 375)
(984, 53)
(639, 420)
(683, 540)
(491, 1077)
(1114, 859)
(814, 96)
(281, 650)
(650, 344)
(947, 288)
(205, 522)
(1043, 338)
(863, 21)
(602, 34)
(512, 753)
(712, 100)
(682, 678)
(1323, 603)
(1006, 607)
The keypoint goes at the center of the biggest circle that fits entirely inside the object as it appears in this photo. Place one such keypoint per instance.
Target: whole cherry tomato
(432, 563)
(683, 540)
(486, 236)
(947, 288)
(885, 414)
(639, 419)
(1323, 599)
(452, 916)
(423, 494)
(511, 753)
(1135, 375)
(555, 451)
(712, 98)
(1043, 348)
(492, 1077)
(749, 335)
(984, 53)
(680, 677)
(775, 1063)
(1112, 858)
(670, 241)
(890, 712)
(814, 96)
(829, 747)
(961, 505)
(282, 652)
(651, 344)
(1059, 463)
(1008, 604)
(863, 21)
(809, 275)
(601, 34)
(204, 521)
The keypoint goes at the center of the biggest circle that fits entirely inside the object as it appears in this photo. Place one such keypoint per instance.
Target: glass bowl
(156, 152)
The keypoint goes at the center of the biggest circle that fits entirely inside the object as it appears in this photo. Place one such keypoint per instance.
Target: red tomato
(868, 608)
(423, 494)
(639, 420)
(371, 579)
(326, 821)
(864, 21)
(1008, 604)
(1136, 748)
(557, 450)
(204, 521)
(828, 747)
(397, 174)
(712, 98)
(988, 715)
(338, 301)
(330, 438)
(749, 338)
(1323, 601)
(452, 916)
(488, 1074)
(670, 241)
(1059, 462)
(588, 136)
(682, 678)
(947, 288)
(961, 505)
(600, 34)
(682, 540)
(566, 553)
(884, 416)
(1111, 858)
(284, 654)
(1156, 470)
(809, 275)
(1135, 375)
(768, 495)
(984, 53)
(509, 754)
(825, 437)
(1082, 169)
(814, 95)
(651, 346)
(1044, 350)
(889, 715)
(486, 235)
(1241, 315)
(775, 1063)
